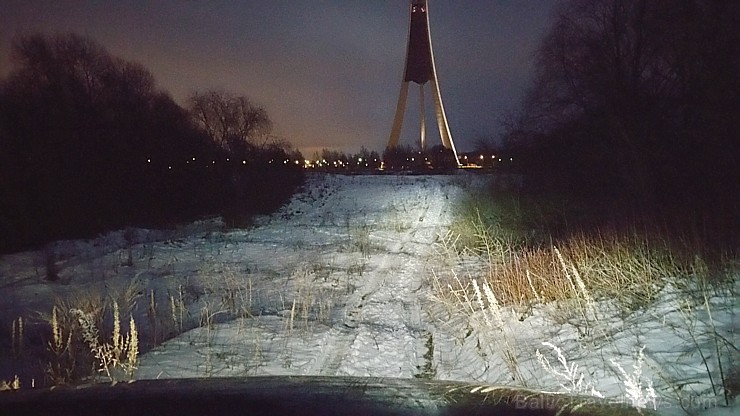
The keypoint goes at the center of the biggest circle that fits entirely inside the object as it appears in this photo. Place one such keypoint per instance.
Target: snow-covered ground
(349, 295)
(341, 282)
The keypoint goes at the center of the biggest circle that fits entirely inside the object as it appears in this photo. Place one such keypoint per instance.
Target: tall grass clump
(489, 227)
(232, 289)
(14, 384)
(600, 280)
(526, 265)
(627, 268)
(76, 350)
(121, 353)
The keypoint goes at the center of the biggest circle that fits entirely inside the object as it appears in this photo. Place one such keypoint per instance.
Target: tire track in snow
(383, 333)
(378, 323)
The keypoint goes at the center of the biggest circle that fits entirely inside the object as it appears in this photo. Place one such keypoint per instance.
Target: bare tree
(85, 137)
(232, 121)
(649, 83)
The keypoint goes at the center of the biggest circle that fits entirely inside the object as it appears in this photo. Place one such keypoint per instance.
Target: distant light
(169, 167)
(148, 161)
(193, 158)
(511, 159)
(359, 160)
(244, 162)
(213, 162)
(481, 157)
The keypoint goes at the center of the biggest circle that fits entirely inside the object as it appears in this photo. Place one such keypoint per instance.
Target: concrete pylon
(419, 68)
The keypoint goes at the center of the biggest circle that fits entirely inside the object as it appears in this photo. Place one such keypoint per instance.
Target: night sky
(327, 71)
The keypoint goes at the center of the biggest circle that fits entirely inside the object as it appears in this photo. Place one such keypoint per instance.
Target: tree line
(636, 107)
(89, 143)
(400, 158)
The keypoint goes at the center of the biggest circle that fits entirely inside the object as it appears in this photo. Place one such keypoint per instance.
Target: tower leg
(444, 128)
(398, 119)
(422, 112)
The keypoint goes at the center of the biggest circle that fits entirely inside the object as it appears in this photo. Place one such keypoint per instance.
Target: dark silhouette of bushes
(90, 144)
(635, 107)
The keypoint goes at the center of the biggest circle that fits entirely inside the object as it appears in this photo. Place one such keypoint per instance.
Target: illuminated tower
(419, 68)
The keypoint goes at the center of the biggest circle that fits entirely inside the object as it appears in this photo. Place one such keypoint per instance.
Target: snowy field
(345, 280)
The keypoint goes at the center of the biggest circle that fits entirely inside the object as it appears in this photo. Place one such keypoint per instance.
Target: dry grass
(14, 384)
(585, 278)
(73, 354)
(17, 336)
(121, 353)
(358, 236)
(627, 266)
(312, 302)
(231, 286)
(62, 366)
(583, 269)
